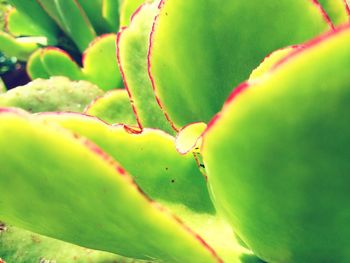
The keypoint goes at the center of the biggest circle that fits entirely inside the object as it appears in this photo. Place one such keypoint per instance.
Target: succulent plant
(6, 64)
(267, 160)
(75, 29)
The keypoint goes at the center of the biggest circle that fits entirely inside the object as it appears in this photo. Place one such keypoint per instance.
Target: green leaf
(164, 175)
(93, 9)
(55, 94)
(59, 63)
(100, 63)
(132, 56)
(277, 156)
(50, 8)
(35, 67)
(196, 60)
(99, 67)
(34, 12)
(20, 246)
(336, 10)
(110, 12)
(218, 233)
(19, 48)
(270, 62)
(113, 107)
(69, 189)
(150, 157)
(76, 23)
(19, 24)
(127, 9)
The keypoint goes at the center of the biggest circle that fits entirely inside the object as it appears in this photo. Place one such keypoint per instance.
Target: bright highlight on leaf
(13, 47)
(189, 138)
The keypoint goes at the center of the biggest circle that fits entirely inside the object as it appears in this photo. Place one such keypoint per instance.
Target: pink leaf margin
(120, 171)
(150, 50)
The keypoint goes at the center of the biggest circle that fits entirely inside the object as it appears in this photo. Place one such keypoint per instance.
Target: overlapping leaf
(132, 57)
(113, 107)
(18, 48)
(337, 11)
(196, 60)
(150, 157)
(90, 215)
(170, 178)
(56, 62)
(277, 156)
(33, 12)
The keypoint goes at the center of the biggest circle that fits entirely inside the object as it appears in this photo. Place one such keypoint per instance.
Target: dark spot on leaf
(173, 181)
(2, 228)
(166, 168)
(202, 165)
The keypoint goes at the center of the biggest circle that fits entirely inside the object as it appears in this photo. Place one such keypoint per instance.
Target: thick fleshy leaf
(189, 137)
(35, 67)
(55, 94)
(150, 157)
(99, 67)
(277, 156)
(110, 12)
(100, 63)
(50, 7)
(270, 61)
(19, 24)
(132, 57)
(218, 233)
(20, 246)
(59, 63)
(196, 60)
(19, 48)
(337, 11)
(154, 177)
(127, 9)
(113, 107)
(34, 12)
(61, 186)
(76, 23)
(93, 9)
